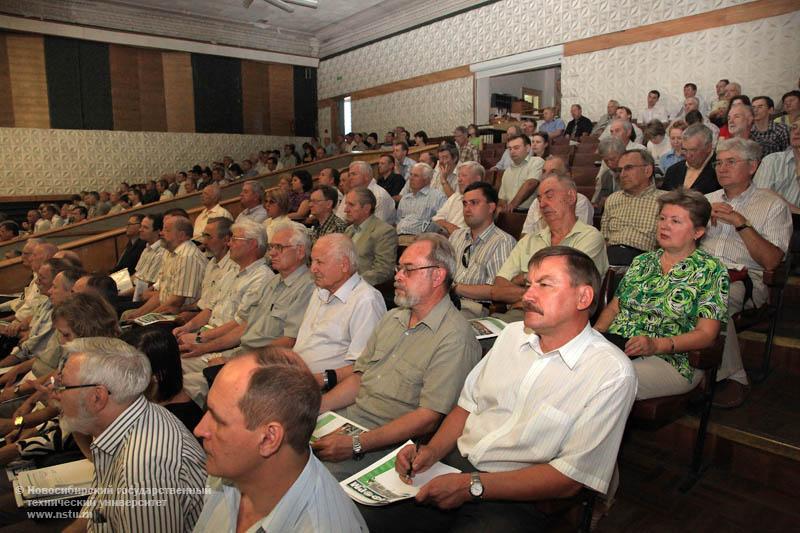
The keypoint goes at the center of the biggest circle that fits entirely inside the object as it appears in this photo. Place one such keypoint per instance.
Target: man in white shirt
(360, 175)
(210, 199)
(624, 113)
(540, 417)
(252, 200)
(654, 110)
(262, 475)
(583, 208)
(521, 179)
(343, 311)
(450, 216)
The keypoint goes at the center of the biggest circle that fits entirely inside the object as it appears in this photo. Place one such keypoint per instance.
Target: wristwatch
(19, 422)
(198, 339)
(475, 486)
(358, 452)
(746, 224)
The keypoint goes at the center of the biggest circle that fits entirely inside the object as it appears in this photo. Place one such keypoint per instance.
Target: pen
(411, 463)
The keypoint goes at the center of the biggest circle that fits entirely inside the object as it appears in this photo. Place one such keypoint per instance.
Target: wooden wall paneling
(152, 105)
(26, 68)
(95, 86)
(281, 99)
(125, 87)
(6, 103)
(255, 98)
(411, 83)
(335, 123)
(178, 91)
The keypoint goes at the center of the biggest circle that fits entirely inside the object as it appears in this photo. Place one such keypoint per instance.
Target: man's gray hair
(121, 368)
(427, 171)
(626, 125)
(646, 156)
(223, 226)
(182, 225)
(475, 168)
(746, 148)
(363, 167)
(694, 98)
(610, 146)
(256, 186)
(442, 254)
(563, 178)
(215, 190)
(298, 236)
(699, 130)
(341, 247)
(252, 230)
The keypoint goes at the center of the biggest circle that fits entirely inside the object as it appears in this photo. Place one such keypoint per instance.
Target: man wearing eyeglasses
(412, 369)
(750, 228)
(698, 172)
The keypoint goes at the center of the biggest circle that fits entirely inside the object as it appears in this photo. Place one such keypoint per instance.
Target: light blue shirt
(778, 172)
(669, 159)
(553, 125)
(315, 503)
(415, 210)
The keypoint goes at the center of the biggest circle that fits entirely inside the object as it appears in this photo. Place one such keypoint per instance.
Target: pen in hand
(411, 462)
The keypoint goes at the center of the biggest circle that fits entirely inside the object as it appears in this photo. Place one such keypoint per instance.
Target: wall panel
(305, 101)
(281, 99)
(95, 86)
(6, 104)
(152, 104)
(255, 97)
(217, 94)
(124, 67)
(26, 67)
(178, 91)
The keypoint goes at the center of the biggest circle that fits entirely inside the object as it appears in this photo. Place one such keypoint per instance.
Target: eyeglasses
(279, 247)
(241, 239)
(59, 388)
(465, 257)
(729, 162)
(406, 270)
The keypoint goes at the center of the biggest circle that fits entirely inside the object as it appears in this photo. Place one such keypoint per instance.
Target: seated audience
(421, 138)
(552, 126)
(211, 209)
(8, 230)
(450, 216)
(657, 316)
(34, 253)
(148, 267)
(633, 133)
(277, 205)
(540, 417)
(262, 475)
(408, 376)
(740, 121)
(749, 232)
(521, 178)
(466, 150)
(480, 249)
(388, 178)
(557, 199)
(583, 207)
(252, 198)
(133, 248)
(579, 125)
(374, 239)
(540, 144)
(360, 175)
(675, 153)
(505, 160)
(135, 443)
(323, 201)
(698, 172)
(219, 270)
(419, 202)
(474, 137)
(341, 314)
(654, 110)
(300, 193)
(162, 188)
(773, 137)
(629, 217)
(445, 177)
(604, 121)
(607, 180)
(619, 129)
(779, 171)
(791, 108)
(331, 177)
(403, 163)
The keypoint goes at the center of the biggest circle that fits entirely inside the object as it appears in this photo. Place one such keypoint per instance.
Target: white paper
(64, 479)
(123, 280)
(329, 422)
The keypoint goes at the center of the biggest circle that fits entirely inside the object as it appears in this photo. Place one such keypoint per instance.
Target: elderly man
(323, 201)
(629, 218)
(374, 239)
(361, 176)
(31, 291)
(521, 179)
(749, 231)
(552, 126)
(619, 129)
(635, 133)
(403, 163)
(480, 249)
(740, 121)
(772, 137)
(252, 200)
(136, 444)
(262, 475)
(388, 178)
(791, 108)
(605, 120)
(35, 222)
(583, 207)
(690, 93)
(341, 315)
(557, 199)
(654, 110)
(181, 274)
(607, 180)
(444, 178)
(450, 216)
(518, 432)
(466, 150)
(8, 230)
(148, 267)
(418, 205)
(779, 171)
(698, 172)
(412, 368)
(133, 248)
(579, 125)
(219, 269)
(211, 209)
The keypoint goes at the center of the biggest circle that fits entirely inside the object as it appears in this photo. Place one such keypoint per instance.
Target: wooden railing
(100, 241)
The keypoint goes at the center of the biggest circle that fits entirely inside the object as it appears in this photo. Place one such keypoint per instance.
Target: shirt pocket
(407, 380)
(547, 429)
(277, 320)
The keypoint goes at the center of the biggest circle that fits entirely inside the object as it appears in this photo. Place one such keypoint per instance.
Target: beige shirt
(182, 273)
(207, 214)
(516, 175)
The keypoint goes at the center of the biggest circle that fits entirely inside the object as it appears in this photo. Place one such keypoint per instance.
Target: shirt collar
(484, 236)
(342, 293)
(286, 513)
(115, 433)
(748, 192)
(252, 266)
(433, 319)
(648, 191)
(292, 278)
(570, 352)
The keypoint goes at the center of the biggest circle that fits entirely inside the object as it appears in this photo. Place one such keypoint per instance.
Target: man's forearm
(420, 421)
(226, 341)
(172, 305)
(341, 395)
(537, 482)
(198, 321)
(524, 192)
(474, 292)
(447, 226)
(764, 252)
(506, 292)
(451, 429)
(342, 373)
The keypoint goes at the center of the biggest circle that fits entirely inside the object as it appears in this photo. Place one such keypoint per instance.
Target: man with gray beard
(409, 375)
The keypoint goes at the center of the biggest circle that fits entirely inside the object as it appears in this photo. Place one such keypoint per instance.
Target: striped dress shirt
(149, 266)
(145, 450)
(483, 256)
(778, 172)
(566, 408)
(182, 272)
(257, 214)
(416, 209)
(41, 329)
(206, 215)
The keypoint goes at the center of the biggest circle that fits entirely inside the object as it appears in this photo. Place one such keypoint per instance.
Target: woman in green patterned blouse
(671, 300)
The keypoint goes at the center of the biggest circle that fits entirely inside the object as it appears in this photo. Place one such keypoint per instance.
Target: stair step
(785, 351)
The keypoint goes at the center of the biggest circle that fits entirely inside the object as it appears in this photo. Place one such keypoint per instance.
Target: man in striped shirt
(143, 456)
(419, 203)
(149, 266)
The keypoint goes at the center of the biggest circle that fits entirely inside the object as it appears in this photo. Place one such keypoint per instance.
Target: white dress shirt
(452, 211)
(207, 214)
(534, 222)
(384, 209)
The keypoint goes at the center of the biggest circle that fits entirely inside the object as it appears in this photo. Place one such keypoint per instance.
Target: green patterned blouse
(653, 304)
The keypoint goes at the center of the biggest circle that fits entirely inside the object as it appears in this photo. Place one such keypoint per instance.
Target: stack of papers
(154, 318)
(66, 480)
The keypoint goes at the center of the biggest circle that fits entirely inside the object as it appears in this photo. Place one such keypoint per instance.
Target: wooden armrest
(777, 278)
(709, 357)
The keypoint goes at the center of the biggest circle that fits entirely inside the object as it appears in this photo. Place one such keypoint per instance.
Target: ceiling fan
(285, 4)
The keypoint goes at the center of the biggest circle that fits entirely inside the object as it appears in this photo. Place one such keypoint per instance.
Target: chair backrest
(584, 159)
(584, 175)
(511, 223)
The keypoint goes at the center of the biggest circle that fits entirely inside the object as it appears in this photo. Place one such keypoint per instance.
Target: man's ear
(271, 437)
(585, 297)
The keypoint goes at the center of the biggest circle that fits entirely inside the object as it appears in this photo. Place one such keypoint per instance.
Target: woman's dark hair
(161, 348)
(544, 135)
(424, 136)
(305, 179)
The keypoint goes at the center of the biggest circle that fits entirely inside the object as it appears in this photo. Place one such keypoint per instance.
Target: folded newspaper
(486, 328)
(67, 480)
(154, 318)
(380, 484)
(329, 422)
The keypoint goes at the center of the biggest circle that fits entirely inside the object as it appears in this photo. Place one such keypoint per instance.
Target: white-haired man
(211, 209)
(450, 216)
(252, 200)
(419, 202)
(360, 174)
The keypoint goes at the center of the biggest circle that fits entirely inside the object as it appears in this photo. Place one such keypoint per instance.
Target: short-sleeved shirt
(654, 304)
(552, 125)
(566, 408)
(281, 309)
(516, 175)
(405, 368)
(631, 220)
(257, 214)
(207, 214)
(241, 294)
(534, 220)
(452, 210)
(581, 237)
(332, 224)
(468, 152)
(149, 266)
(182, 272)
(483, 256)
(778, 172)
(216, 279)
(416, 209)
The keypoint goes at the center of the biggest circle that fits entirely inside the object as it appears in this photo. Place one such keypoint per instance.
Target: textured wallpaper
(433, 108)
(763, 55)
(499, 29)
(324, 122)
(49, 161)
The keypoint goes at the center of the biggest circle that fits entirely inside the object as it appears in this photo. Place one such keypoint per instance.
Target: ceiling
(335, 26)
